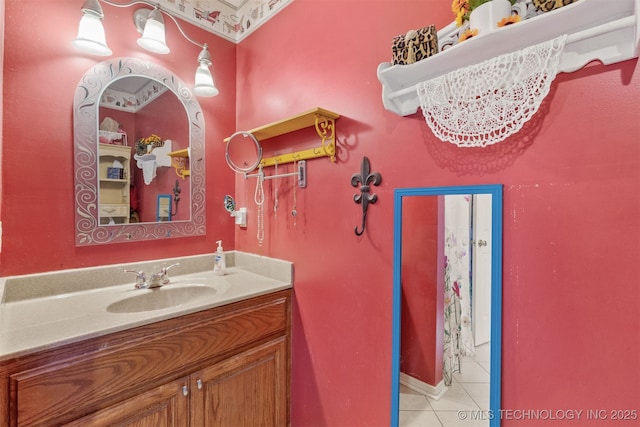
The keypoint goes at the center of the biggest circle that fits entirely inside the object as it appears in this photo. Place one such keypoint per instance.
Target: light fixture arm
(200, 45)
(93, 7)
(156, 6)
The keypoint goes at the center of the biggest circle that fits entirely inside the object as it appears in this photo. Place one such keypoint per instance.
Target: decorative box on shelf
(115, 173)
(415, 45)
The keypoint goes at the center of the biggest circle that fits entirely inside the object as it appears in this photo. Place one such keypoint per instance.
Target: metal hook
(366, 178)
(364, 220)
(176, 198)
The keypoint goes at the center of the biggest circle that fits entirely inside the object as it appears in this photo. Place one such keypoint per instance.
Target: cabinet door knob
(185, 390)
(199, 384)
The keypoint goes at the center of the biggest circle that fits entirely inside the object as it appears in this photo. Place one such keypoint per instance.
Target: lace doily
(147, 163)
(482, 104)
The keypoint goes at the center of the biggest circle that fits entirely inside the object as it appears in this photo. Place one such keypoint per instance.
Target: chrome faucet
(161, 277)
(155, 280)
(141, 279)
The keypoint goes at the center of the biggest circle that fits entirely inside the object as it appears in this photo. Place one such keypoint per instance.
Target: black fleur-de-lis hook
(366, 178)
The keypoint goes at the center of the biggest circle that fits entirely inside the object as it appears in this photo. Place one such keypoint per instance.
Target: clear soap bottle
(220, 265)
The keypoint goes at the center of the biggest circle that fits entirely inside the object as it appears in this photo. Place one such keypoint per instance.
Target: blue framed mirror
(164, 206)
(447, 306)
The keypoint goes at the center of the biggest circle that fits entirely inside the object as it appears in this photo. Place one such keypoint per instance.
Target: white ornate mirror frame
(88, 230)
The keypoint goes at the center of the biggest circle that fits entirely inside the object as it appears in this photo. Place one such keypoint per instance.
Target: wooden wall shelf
(324, 123)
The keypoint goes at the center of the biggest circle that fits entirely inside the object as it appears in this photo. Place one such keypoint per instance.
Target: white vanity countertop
(32, 324)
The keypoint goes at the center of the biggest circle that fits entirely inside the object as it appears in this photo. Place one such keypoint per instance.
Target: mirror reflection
(447, 306)
(141, 123)
(139, 155)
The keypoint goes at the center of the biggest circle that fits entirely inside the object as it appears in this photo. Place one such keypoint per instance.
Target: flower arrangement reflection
(146, 145)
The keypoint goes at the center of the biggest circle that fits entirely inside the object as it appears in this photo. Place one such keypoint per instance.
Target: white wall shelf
(603, 30)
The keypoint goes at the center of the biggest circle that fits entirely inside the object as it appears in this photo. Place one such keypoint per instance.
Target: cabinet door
(246, 390)
(163, 406)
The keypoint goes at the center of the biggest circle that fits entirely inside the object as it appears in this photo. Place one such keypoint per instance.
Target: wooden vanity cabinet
(226, 366)
(165, 405)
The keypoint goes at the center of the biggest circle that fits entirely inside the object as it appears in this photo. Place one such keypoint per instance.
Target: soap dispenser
(220, 265)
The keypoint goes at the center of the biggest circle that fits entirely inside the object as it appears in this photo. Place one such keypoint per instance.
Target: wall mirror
(132, 120)
(447, 306)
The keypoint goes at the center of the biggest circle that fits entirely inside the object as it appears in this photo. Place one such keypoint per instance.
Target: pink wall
(41, 71)
(572, 208)
(571, 229)
(421, 332)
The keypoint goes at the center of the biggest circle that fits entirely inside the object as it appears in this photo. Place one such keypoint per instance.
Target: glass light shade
(153, 37)
(204, 85)
(91, 38)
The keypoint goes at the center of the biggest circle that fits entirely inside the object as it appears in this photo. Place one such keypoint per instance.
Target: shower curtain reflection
(458, 337)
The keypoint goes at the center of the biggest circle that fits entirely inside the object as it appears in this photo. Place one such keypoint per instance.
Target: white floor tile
(483, 353)
(456, 398)
(479, 392)
(418, 419)
(469, 392)
(486, 365)
(472, 372)
(414, 402)
(452, 419)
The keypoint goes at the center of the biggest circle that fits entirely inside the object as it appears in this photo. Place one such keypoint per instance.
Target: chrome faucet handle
(164, 273)
(141, 278)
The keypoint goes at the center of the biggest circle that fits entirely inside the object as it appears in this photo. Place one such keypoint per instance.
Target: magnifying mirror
(229, 204)
(243, 153)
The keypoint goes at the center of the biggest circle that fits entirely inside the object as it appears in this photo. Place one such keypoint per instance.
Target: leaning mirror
(138, 134)
(447, 301)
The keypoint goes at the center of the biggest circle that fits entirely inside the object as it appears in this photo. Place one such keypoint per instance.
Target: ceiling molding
(131, 93)
(232, 20)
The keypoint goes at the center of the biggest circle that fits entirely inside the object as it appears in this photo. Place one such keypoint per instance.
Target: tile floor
(468, 392)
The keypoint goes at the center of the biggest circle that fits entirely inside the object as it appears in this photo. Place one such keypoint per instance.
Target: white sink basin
(159, 298)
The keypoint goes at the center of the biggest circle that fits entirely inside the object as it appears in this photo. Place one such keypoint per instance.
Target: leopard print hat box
(415, 45)
(549, 5)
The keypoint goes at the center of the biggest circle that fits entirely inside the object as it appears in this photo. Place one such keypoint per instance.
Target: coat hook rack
(366, 178)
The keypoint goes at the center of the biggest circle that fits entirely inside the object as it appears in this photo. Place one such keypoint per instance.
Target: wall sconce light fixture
(150, 23)
(91, 38)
